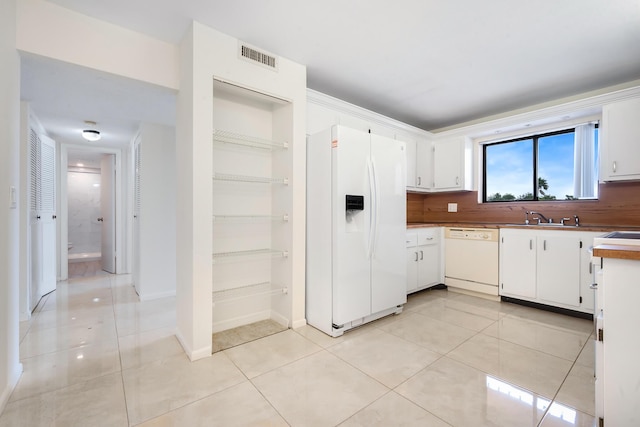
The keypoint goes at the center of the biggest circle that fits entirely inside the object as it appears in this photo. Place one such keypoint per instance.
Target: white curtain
(584, 178)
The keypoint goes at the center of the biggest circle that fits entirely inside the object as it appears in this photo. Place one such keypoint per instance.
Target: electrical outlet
(452, 207)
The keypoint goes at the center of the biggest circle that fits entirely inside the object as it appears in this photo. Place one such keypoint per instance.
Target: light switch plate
(452, 207)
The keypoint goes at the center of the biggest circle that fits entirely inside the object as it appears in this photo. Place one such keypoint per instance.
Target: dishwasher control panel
(482, 234)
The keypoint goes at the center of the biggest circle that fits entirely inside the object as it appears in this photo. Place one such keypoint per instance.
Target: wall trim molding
(585, 105)
(318, 98)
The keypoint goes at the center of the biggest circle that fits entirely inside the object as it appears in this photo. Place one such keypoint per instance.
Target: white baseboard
(193, 355)
(158, 295)
(298, 323)
(8, 389)
(277, 317)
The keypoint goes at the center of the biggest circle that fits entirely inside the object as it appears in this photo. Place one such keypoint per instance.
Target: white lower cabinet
(549, 267)
(617, 368)
(517, 263)
(424, 258)
(558, 268)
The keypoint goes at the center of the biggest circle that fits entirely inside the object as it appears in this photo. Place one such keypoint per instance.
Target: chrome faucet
(548, 220)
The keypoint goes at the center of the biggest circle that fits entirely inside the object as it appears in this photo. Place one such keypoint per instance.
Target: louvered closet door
(35, 231)
(48, 212)
(42, 216)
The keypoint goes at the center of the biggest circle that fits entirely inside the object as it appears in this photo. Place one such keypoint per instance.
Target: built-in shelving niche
(252, 201)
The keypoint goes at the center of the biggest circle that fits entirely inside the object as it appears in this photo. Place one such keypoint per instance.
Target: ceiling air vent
(257, 57)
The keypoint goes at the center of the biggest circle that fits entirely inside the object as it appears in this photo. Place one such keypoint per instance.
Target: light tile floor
(93, 355)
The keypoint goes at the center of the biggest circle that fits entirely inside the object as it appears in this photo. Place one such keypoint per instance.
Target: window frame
(534, 186)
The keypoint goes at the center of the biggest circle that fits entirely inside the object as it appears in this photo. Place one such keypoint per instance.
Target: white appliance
(356, 223)
(471, 260)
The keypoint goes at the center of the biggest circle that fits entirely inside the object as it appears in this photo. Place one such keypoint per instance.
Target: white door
(412, 156)
(107, 209)
(48, 213)
(42, 216)
(351, 230)
(447, 156)
(423, 164)
(429, 265)
(412, 269)
(35, 231)
(136, 215)
(558, 271)
(517, 263)
(388, 255)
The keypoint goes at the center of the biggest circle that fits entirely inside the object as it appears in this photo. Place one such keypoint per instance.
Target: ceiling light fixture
(91, 135)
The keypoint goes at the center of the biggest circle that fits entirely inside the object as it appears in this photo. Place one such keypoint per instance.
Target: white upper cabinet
(418, 165)
(452, 164)
(620, 141)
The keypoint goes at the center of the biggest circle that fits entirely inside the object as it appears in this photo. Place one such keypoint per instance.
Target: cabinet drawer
(430, 237)
(412, 240)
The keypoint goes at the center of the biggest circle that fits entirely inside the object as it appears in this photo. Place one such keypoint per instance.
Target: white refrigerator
(356, 224)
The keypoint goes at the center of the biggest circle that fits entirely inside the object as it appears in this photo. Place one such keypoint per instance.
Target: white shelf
(253, 179)
(250, 218)
(253, 290)
(256, 253)
(225, 137)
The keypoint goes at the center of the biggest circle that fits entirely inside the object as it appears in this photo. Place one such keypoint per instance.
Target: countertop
(617, 251)
(603, 228)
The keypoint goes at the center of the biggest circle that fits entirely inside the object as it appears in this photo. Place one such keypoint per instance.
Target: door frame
(63, 203)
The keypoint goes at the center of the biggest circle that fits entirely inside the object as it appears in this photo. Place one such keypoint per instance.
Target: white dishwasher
(471, 259)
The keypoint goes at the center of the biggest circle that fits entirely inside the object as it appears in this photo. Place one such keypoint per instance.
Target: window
(558, 165)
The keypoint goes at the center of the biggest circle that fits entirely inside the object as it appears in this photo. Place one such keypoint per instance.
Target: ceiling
(432, 64)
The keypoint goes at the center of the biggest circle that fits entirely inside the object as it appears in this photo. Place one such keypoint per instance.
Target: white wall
(157, 217)
(10, 367)
(52, 31)
(206, 53)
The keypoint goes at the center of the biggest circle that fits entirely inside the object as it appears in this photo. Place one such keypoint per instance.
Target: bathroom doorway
(89, 182)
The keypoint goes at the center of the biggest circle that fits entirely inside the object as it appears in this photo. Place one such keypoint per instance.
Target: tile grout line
(115, 324)
(561, 384)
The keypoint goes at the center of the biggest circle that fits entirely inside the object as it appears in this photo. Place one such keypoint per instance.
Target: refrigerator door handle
(371, 204)
(375, 210)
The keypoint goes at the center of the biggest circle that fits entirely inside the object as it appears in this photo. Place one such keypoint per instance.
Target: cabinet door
(621, 140)
(412, 269)
(452, 164)
(517, 263)
(423, 162)
(558, 269)
(447, 156)
(412, 180)
(587, 273)
(428, 265)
